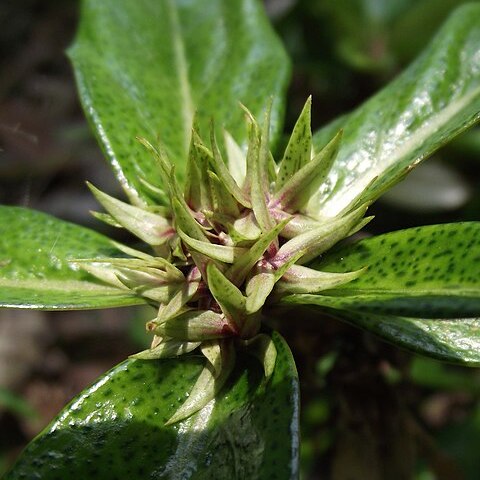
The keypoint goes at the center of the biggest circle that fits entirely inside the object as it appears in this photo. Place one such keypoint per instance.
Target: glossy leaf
(424, 272)
(434, 100)
(143, 68)
(116, 428)
(455, 340)
(35, 272)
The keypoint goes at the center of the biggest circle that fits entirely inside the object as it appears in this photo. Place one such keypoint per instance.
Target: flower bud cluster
(237, 236)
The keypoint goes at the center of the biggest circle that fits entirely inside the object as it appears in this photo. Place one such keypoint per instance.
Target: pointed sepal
(223, 173)
(228, 296)
(299, 279)
(244, 230)
(263, 349)
(106, 218)
(177, 304)
(223, 201)
(149, 227)
(258, 288)
(196, 326)
(297, 190)
(209, 383)
(299, 147)
(239, 270)
(314, 242)
(166, 349)
(259, 180)
(235, 159)
(222, 253)
(185, 220)
(197, 188)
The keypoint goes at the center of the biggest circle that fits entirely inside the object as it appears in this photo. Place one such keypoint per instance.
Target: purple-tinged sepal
(220, 362)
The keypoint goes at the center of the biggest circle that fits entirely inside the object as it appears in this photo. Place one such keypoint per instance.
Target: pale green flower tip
(263, 349)
(166, 349)
(270, 360)
(143, 355)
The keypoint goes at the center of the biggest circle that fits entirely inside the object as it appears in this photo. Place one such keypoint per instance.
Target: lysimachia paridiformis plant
(229, 228)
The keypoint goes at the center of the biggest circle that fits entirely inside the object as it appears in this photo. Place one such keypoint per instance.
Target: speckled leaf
(143, 68)
(435, 99)
(115, 429)
(454, 340)
(34, 268)
(424, 272)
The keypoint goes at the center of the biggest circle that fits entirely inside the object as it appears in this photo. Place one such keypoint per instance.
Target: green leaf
(434, 100)
(35, 272)
(424, 272)
(116, 428)
(143, 68)
(455, 340)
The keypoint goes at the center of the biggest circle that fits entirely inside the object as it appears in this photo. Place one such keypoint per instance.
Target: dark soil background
(364, 402)
(46, 154)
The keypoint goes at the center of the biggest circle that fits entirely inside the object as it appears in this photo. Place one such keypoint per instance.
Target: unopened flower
(238, 235)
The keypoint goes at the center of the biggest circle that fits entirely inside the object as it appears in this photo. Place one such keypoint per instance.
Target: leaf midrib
(367, 292)
(398, 155)
(187, 105)
(41, 284)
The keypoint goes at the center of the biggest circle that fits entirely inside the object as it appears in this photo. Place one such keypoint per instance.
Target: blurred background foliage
(362, 399)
